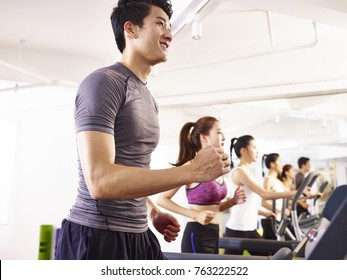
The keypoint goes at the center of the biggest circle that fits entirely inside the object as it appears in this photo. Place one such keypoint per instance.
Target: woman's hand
(204, 217)
(270, 215)
(239, 196)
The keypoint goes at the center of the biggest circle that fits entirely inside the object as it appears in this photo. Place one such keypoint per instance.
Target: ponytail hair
(237, 144)
(285, 169)
(232, 144)
(267, 159)
(189, 140)
(262, 164)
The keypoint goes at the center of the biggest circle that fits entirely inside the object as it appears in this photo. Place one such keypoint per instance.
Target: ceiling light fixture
(196, 28)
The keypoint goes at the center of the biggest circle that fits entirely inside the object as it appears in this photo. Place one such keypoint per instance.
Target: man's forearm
(123, 182)
(106, 180)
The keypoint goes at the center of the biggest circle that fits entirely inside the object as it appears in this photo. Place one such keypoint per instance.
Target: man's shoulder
(106, 81)
(109, 74)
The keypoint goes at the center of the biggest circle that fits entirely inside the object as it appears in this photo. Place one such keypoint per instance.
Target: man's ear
(131, 30)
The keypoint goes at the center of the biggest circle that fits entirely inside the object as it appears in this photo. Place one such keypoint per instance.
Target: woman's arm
(244, 177)
(267, 214)
(165, 201)
(266, 204)
(268, 185)
(202, 217)
(238, 198)
(311, 196)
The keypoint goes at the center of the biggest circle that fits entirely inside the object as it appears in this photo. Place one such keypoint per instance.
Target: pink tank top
(208, 193)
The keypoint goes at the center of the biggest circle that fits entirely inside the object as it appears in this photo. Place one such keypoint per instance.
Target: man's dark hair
(302, 161)
(134, 11)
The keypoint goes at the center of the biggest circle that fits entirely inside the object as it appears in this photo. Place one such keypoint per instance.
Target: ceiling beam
(332, 12)
(292, 90)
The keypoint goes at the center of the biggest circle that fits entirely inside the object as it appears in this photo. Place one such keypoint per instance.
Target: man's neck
(303, 172)
(136, 65)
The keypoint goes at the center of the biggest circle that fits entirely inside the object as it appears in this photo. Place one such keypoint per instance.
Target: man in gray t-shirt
(117, 130)
(132, 116)
(304, 167)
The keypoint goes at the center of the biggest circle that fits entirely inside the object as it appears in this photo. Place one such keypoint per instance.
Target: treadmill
(326, 242)
(272, 246)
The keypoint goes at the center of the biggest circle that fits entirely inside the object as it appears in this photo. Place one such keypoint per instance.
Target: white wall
(45, 181)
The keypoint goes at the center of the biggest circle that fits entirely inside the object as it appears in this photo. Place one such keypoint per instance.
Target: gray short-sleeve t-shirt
(114, 100)
(299, 178)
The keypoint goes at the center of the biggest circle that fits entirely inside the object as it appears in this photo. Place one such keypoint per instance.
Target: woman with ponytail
(272, 183)
(243, 219)
(288, 179)
(206, 199)
(288, 176)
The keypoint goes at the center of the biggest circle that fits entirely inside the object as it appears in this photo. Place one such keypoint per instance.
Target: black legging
(267, 229)
(243, 234)
(201, 239)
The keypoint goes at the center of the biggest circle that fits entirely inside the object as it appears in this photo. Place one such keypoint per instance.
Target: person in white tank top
(242, 222)
(272, 182)
(206, 199)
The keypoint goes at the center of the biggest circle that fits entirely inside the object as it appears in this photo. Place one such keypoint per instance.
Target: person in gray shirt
(117, 129)
(304, 167)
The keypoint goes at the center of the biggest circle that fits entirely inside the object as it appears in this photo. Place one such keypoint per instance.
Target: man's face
(154, 37)
(307, 166)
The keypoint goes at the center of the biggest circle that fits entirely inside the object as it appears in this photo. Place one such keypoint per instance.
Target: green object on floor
(246, 253)
(45, 247)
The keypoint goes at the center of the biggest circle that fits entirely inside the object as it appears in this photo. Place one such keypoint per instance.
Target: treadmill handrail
(308, 181)
(323, 186)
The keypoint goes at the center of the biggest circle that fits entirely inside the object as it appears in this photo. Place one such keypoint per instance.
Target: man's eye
(161, 24)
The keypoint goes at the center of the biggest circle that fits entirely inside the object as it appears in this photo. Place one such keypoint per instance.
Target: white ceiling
(241, 70)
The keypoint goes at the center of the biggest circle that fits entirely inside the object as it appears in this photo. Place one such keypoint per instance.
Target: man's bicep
(95, 148)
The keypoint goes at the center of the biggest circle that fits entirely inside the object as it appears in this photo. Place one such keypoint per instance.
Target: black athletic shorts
(198, 238)
(77, 242)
